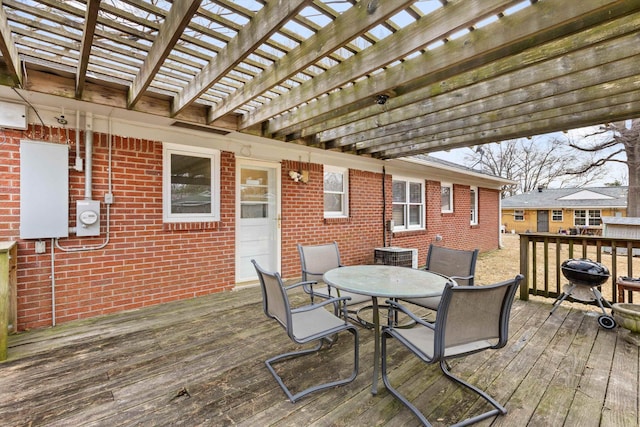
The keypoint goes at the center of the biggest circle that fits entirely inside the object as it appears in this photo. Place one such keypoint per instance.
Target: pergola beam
(606, 109)
(356, 20)
(9, 50)
(175, 22)
(90, 19)
(462, 108)
(410, 39)
(489, 80)
(536, 24)
(266, 22)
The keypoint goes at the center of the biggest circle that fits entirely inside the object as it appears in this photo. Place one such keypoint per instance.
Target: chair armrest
(295, 285)
(396, 306)
(462, 277)
(323, 303)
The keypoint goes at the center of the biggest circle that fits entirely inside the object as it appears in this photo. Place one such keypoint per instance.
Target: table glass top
(386, 281)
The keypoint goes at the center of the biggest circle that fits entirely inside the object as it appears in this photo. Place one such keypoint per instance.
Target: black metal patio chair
(470, 319)
(315, 260)
(304, 324)
(459, 265)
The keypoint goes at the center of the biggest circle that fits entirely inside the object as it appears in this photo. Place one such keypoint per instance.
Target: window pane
(190, 184)
(255, 199)
(414, 214)
(332, 202)
(398, 215)
(446, 198)
(415, 192)
(399, 191)
(333, 181)
(474, 220)
(254, 211)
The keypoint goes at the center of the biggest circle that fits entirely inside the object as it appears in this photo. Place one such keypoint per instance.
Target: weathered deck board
(129, 369)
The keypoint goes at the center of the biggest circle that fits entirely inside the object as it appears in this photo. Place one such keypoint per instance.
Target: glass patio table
(385, 281)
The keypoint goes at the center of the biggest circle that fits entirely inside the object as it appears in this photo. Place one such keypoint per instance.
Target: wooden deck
(200, 362)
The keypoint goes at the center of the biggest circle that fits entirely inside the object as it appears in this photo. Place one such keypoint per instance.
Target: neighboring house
(168, 213)
(564, 210)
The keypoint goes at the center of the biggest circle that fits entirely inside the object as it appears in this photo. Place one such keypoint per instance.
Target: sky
(614, 171)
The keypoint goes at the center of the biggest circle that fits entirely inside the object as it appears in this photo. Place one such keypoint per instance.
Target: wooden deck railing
(541, 255)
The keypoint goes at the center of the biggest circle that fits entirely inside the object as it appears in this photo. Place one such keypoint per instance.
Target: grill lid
(583, 271)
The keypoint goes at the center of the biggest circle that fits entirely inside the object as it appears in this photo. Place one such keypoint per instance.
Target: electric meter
(88, 217)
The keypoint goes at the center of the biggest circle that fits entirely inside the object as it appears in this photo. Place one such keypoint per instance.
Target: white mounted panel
(87, 218)
(44, 190)
(13, 116)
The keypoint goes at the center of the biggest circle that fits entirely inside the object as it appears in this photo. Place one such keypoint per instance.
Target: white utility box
(87, 218)
(13, 116)
(44, 190)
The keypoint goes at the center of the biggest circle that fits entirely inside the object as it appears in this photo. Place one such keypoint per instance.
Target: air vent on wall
(201, 128)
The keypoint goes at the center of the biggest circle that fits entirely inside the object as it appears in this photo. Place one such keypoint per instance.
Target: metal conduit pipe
(384, 208)
(88, 153)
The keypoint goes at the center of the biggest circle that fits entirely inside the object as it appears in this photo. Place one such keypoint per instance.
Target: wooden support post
(8, 300)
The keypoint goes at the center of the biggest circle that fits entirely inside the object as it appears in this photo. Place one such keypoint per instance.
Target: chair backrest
(471, 316)
(274, 297)
(453, 262)
(316, 260)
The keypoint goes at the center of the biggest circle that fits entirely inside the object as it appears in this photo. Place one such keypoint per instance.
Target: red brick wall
(144, 262)
(147, 262)
(303, 219)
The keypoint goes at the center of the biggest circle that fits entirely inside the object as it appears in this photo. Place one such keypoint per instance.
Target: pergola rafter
(9, 51)
(454, 73)
(249, 38)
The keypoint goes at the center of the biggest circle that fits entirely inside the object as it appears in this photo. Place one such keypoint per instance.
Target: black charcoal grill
(585, 276)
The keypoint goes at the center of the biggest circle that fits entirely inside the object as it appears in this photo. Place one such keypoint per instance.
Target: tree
(540, 161)
(616, 141)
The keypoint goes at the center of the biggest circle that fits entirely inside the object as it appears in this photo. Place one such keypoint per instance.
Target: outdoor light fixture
(381, 99)
(302, 176)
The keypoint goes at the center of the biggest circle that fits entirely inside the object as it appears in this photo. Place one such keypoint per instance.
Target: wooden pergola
(379, 78)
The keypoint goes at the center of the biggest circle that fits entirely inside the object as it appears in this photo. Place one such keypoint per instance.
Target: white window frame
(474, 209)
(557, 215)
(450, 187)
(408, 203)
(590, 217)
(518, 214)
(344, 193)
(214, 155)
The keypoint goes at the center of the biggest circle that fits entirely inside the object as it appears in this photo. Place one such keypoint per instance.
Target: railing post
(524, 267)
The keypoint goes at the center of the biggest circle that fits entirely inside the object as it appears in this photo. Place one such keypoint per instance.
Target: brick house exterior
(147, 261)
(563, 209)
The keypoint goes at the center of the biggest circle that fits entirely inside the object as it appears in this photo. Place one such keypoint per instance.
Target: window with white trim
(446, 191)
(518, 215)
(408, 204)
(556, 215)
(587, 217)
(474, 205)
(336, 192)
(191, 184)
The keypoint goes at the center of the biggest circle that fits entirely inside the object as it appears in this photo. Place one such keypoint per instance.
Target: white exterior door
(258, 218)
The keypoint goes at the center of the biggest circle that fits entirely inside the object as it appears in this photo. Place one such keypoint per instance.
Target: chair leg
(500, 410)
(393, 391)
(294, 397)
(443, 365)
